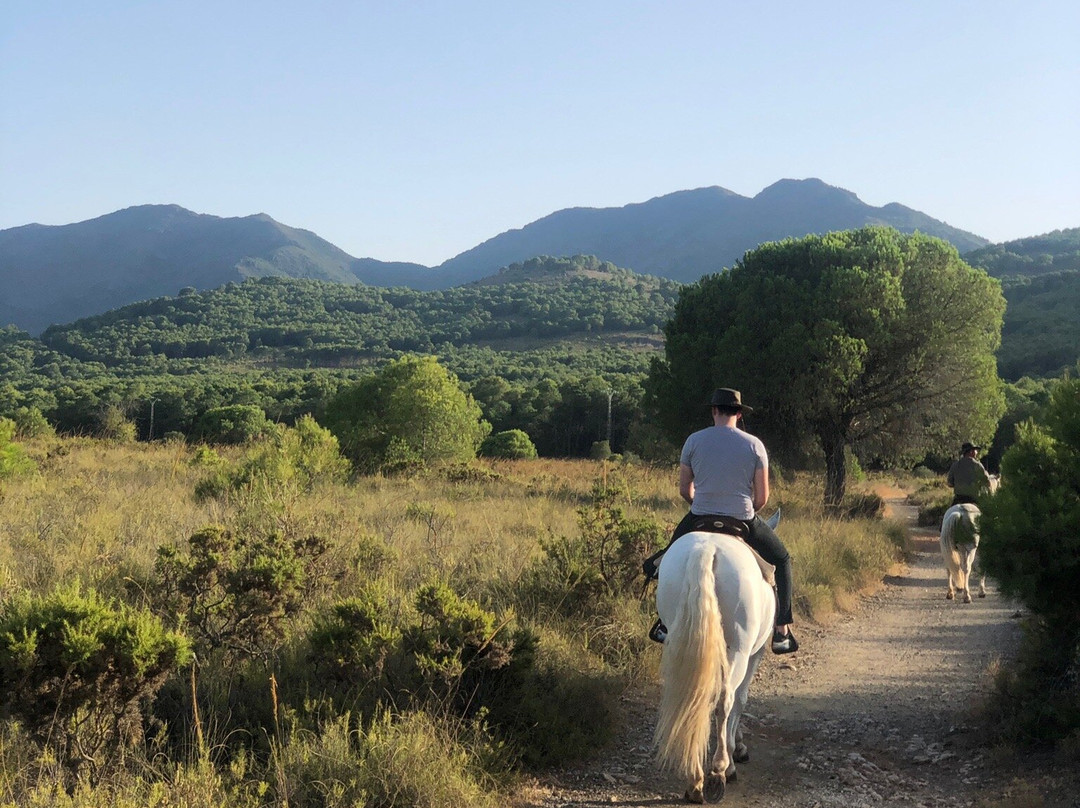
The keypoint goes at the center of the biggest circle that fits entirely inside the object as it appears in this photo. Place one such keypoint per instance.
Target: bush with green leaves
(30, 422)
(114, 425)
(602, 562)
(79, 670)
(234, 591)
(510, 444)
(453, 658)
(233, 424)
(1031, 526)
(297, 458)
(1030, 545)
(13, 459)
(411, 410)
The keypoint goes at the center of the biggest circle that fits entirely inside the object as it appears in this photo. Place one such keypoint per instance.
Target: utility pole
(150, 431)
(610, 393)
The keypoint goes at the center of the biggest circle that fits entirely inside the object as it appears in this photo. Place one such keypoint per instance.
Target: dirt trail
(872, 710)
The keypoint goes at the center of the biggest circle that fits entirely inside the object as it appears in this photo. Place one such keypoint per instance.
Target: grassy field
(377, 641)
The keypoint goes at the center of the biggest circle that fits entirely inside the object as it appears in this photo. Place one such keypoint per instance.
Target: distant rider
(968, 478)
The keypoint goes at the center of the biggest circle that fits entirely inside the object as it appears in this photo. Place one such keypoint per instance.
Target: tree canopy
(412, 408)
(868, 341)
(1031, 527)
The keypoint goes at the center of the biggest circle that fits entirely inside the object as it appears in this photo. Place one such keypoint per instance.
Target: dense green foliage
(1031, 527)
(78, 671)
(512, 444)
(1031, 547)
(540, 333)
(411, 410)
(540, 347)
(1051, 252)
(235, 423)
(298, 322)
(866, 340)
(1041, 335)
(13, 459)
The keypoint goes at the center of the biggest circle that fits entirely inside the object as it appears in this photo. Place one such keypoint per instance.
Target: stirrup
(658, 632)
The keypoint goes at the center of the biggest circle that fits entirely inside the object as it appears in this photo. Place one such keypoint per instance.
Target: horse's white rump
(719, 613)
(959, 541)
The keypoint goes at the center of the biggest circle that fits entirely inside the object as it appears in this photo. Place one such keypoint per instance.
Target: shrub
(233, 591)
(511, 444)
(600, 450)
(13, 459)
(297, 457)
(78, 670)
(233, 424)
(863, 506)
(31, 423)
(411, 410)
(351, 645)
(113, 425)
(1031, 526)
(602, 562)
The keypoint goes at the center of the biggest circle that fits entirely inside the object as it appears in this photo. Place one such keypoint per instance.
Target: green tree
(866, 341)
(1031, 527)
(512, 444)
(411, 404)
(236, 423)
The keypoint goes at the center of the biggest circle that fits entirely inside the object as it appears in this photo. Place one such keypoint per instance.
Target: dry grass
(99, 511)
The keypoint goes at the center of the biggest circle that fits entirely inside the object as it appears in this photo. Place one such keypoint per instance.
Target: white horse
(719, 612)
(959, 541)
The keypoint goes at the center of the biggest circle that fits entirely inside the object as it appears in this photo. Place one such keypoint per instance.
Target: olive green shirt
(968, 478)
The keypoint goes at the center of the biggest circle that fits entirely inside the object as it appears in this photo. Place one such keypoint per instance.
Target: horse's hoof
(740, 754)
(948, 596)
(967, 598)
(714, 787)
(982, 594)
(694, 795)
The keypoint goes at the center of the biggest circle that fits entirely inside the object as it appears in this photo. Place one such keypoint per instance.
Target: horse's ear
(773, 520)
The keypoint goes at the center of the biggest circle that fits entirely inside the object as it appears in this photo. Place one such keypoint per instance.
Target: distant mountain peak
(809, 188)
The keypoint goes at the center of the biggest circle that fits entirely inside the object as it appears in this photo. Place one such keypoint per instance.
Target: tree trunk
(835, 469)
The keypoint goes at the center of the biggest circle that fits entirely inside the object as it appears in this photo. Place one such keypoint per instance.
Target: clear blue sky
(411, 131)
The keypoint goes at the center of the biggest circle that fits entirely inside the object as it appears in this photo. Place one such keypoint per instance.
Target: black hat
(967, 447)
(726, 397)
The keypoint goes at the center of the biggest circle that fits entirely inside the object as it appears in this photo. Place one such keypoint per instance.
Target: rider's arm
(686, 483)
(761, 488)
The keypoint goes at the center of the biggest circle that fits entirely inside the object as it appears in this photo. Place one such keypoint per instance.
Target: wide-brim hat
(726, 397)
(967, 447)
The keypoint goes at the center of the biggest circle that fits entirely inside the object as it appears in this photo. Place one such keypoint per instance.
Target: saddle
(727, 525)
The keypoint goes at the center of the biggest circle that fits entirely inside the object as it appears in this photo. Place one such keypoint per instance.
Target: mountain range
(56, 274)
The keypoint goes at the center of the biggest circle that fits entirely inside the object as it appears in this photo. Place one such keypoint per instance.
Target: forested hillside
(544, 346)
(1041, 335)
(306, 322)
(1051, 252)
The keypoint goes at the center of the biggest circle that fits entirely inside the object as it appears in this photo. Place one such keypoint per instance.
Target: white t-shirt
(724, 460)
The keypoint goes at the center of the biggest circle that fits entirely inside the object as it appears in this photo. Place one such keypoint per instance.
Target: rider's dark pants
(963, 499)
(768, 545)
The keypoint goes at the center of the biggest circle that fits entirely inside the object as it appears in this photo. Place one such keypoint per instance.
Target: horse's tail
(948, 538)
(693, 668)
